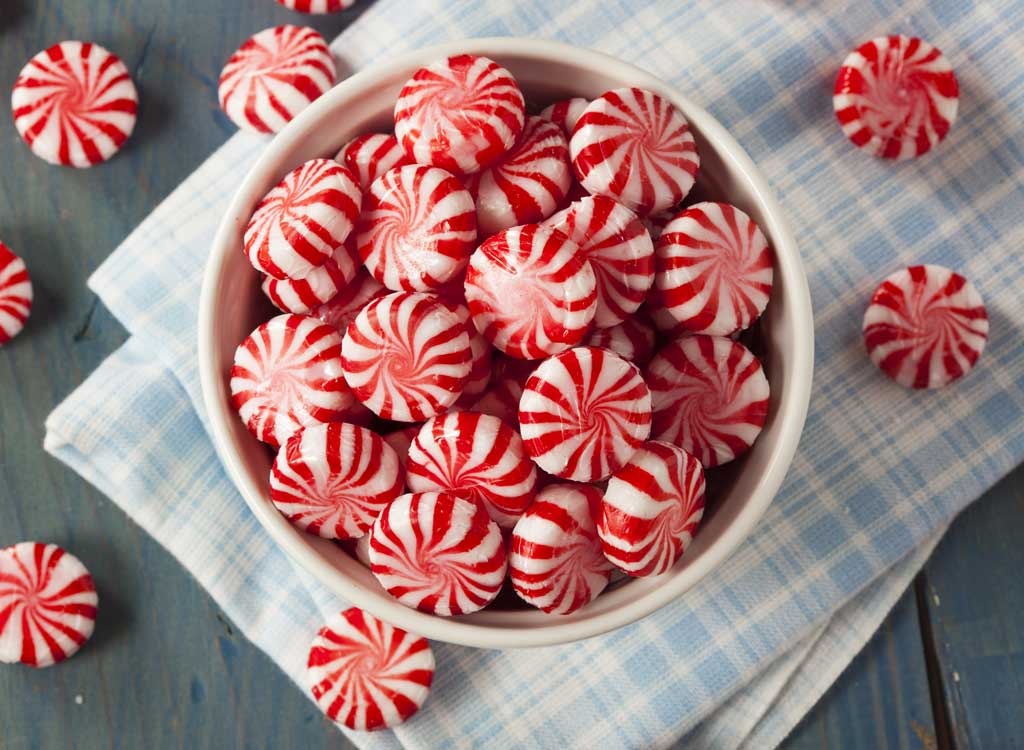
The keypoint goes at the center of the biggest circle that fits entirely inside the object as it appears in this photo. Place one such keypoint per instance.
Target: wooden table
(166, 669)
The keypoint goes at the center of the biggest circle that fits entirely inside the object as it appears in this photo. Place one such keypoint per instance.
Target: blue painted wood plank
(975, 599)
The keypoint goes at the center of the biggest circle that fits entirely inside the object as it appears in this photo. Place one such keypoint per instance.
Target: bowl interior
(232, 306)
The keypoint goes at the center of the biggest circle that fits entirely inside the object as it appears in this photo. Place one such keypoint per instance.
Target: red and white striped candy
(287, 375)
(656, 223)
(15, 294)
(334, 479)
(926, 326)
(318, 287)
(417, 229)
(438, 553)
(343, 307)
(710, 397)
(508, 378)
(75, 104)
(48, 604)
(555, 559)
(476, 456)
(714, 269)
(273, 76)
(632, 339)
(461, 113)
(636, 147)
(651, 509)
(565, 113)
(896, 97)
(400, 440)
(525, 185)
(371, 155)
(583, 413)
(367, 674)
(531, 292)
(407, 356)
(303, 220)
(480, 355)
(317, 6)
(619, 249)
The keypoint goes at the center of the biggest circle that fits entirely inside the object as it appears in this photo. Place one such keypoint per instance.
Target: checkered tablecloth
(881, 470)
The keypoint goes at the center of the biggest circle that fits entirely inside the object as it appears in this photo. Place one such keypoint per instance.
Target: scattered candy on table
(48, 604)
(15, 294)
(75, 104)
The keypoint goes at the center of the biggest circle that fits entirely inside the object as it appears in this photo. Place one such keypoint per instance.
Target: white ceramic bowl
(230, 308)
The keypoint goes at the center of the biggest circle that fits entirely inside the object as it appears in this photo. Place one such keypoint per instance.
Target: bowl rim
(792, 412)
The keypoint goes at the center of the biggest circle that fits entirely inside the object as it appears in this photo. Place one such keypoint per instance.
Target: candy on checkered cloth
(583, 413)
(619, 249)
(367, 674)
(287, 375)
(317, 6)
(371, 155)
(651, 509)
(439, 553)
(633, 339)
(896, 97)
(417, 229)
(273, 76)
(15, 294)
(565, 113)
(74, 104)
(710, 397)
(346, 304)
(303, 220)
(531, 292)
(407, 356)
(334, 479)
(476, 456)
(460, 113)
(636, 147)
(48, 604)
(555, 559)
(525, 185)
(319, 286)
(480, 354)
(926, 326)
(714, 269)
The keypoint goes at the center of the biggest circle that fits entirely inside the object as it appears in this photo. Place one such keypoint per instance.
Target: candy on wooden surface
(15, 294)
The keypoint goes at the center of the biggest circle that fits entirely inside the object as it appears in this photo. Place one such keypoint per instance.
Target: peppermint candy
(48, 604)
(317, 6)
(15, 294)
(438, 553)
(318, 287)
(287, 375)
(74, 104)
(555, 559)
(400, 441)
(406, 356)
(461, 114)
(333, 480)
(367, 674)
(583, 414)
(619, 249)
(303, 220)
(417, 229)
(531, 292)
(369, 156)
(525, 185)
(896, 97)
(632, 339)
(714, 269)
(479, 352)
(273, 76)
(636, 147)
(343, 307)
(926, 326)
(501, 399)
(565, 113)
(710, 397)
(651, 509)
(476, 456)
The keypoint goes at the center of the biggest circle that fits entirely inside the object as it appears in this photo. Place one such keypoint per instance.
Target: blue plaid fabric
(881, 470)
